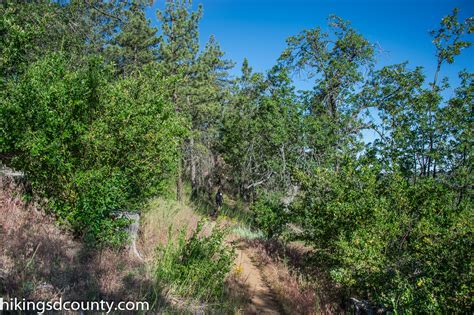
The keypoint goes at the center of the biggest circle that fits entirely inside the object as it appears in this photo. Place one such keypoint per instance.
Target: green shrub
(269, 215)
(407, 245)
(100, 192)
(90, 144)
(195, 267)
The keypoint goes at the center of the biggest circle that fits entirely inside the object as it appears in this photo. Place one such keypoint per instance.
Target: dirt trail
(263, 300)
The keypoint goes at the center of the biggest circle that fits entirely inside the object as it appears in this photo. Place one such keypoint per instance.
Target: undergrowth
(196, 267)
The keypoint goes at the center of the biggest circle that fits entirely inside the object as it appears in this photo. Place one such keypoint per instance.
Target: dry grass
(282, 269)
(158, 218)
(41, 261)
(162, 214)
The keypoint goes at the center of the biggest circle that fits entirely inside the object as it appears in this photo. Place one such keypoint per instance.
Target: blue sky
(257, 29)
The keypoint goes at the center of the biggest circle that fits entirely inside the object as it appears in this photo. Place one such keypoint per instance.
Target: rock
(133, 231)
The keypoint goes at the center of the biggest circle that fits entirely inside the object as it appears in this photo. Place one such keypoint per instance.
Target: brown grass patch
(41, 261)
(299, 290)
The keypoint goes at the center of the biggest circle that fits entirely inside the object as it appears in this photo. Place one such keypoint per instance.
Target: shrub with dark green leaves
(196, 267)
(90, 144)
(269, 214)
(407, 245)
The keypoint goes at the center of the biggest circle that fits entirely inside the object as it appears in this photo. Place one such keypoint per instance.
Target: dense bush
(90, 145)
(195, 267)
(269, 214)
(399, 243)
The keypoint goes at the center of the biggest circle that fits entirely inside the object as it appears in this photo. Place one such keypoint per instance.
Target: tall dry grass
(159, 216)
(40, 260)
(300, 288)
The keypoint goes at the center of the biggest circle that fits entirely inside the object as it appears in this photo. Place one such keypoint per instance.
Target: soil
(263, 300)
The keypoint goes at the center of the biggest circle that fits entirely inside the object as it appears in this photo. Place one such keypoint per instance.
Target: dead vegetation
(41, 261)
(298, 290)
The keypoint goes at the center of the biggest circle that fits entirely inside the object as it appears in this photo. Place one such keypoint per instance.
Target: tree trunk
(179, 181)
(193, 168)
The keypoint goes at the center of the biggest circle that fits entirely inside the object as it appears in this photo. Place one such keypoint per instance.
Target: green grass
(237, 212)
(196, 267)
(244, 231)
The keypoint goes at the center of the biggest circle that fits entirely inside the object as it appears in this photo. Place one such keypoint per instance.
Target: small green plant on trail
(196, 267)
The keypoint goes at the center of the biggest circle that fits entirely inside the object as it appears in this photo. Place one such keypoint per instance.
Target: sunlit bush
(90, 144)
(196, 267)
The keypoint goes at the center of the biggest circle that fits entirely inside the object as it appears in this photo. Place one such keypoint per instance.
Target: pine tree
(200, 81)
(137, 43)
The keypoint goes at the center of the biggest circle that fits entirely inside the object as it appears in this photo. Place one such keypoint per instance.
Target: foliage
(260, 137)
(28, 30)
(195, 267)
(102, 111)
(90, 146)
(390, 240)
(390, 221)
(269, 215)
(136, 43)
(337, 59)
(146, 133)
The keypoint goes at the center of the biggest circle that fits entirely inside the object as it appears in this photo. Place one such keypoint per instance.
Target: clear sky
(257, 29)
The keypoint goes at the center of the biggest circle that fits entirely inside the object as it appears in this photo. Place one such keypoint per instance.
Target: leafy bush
(99, 192)
(269, 215)
(89, 144)
(139, 133)
(195, 267)
(399, 243)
